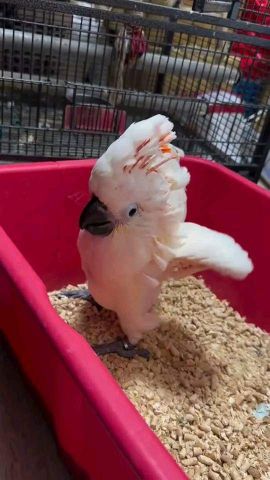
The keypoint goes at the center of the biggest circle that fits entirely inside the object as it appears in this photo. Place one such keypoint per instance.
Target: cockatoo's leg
(121, 346)
(81, 293)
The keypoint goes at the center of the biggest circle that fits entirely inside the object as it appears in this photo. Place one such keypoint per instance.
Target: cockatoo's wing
(202, 249)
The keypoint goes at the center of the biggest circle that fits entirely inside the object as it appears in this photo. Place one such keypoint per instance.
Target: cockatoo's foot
(121, 347)
(83, 294)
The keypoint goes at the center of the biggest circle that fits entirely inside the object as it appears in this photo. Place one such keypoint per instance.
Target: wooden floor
(27, 446)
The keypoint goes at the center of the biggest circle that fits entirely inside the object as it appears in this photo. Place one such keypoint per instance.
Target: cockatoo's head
(138, 182)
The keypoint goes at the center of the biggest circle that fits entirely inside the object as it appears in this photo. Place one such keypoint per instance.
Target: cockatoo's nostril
(97, 219)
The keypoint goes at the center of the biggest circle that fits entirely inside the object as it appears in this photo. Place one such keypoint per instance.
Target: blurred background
(74, 75)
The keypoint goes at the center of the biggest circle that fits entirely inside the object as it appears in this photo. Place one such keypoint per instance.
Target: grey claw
(122, 348)
(83, 294)
(133, 350)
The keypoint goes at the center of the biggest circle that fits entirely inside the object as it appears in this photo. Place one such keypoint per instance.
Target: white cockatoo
(133, 233)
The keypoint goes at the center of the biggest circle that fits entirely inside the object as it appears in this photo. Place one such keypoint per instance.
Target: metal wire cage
(74, 75)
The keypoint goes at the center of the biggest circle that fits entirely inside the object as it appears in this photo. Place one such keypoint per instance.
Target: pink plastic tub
(98, 429)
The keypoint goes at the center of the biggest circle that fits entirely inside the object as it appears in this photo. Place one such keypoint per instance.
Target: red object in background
(257, 67)
(255, 63)
(224, 108)
(138, 44)
(256, 11)
(95, 119)
(96, 425)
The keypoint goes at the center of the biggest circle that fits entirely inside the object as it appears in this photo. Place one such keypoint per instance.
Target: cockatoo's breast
(111, 263)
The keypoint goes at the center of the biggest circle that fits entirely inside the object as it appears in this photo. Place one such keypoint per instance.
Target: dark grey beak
(96, 218)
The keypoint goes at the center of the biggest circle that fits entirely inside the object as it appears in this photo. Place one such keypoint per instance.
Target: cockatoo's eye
(132, 210)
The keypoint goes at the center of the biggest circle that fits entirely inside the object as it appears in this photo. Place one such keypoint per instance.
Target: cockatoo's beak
(97, 219)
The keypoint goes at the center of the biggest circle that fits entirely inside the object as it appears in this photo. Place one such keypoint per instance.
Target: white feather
(125, 270)
(162, 193)
(201, 249)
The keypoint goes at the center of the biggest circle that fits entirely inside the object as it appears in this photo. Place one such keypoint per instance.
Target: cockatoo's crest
(144, 145)
(142, 167)
(153, 152)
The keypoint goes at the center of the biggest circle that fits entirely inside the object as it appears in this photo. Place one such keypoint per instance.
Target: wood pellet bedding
(209, 370)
